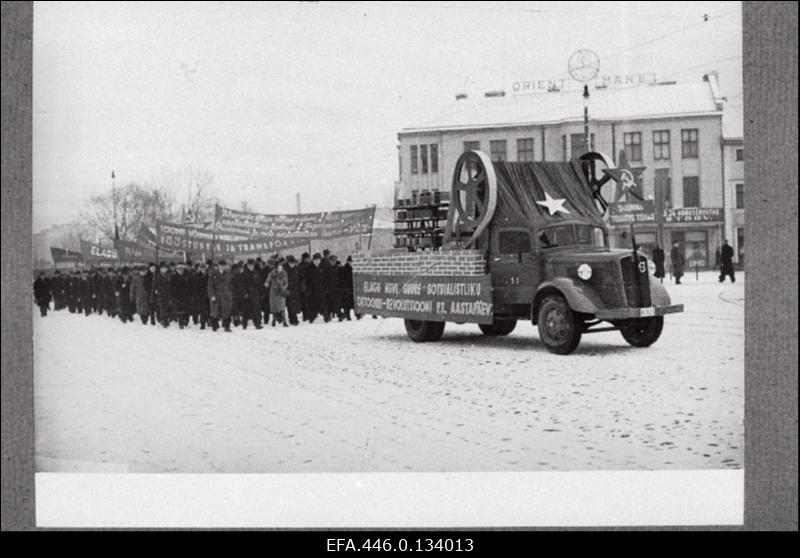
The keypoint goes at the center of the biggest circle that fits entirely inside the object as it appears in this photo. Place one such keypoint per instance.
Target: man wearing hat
(293, 302)
(42, 293)
(181, 291)
(250, 294)
(200, 300)
(220, 296)
(122, 290)
(140, 294)
(162, 294)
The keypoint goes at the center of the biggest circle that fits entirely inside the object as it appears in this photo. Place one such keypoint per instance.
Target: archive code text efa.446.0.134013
(522, 241)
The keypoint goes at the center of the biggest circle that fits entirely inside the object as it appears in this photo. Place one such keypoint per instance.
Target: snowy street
(360, 396)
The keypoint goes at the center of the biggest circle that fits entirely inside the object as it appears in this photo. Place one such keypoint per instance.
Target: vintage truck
(524, 240)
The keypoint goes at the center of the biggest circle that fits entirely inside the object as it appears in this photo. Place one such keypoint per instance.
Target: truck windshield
(566, 235)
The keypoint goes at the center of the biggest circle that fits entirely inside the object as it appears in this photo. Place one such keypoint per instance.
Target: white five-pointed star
(553, 205)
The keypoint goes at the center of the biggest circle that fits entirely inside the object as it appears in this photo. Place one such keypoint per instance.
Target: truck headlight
(585, 272)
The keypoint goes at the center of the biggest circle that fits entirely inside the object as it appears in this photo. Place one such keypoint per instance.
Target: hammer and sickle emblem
(626, 180)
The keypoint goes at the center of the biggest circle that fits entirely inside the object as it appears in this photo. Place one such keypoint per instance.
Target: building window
(414, 160)
(689, 144)
(578, 144)
(434, 158)
(633, 145)
(691, 191)
(661, 145)
(740, 154)
(663, 187)
(525, 149)
(472, 146)
(423, 155)
(497, 150)
(740, 196)
(564, 154)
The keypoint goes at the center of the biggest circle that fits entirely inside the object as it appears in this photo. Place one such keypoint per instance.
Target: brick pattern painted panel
(433, 262)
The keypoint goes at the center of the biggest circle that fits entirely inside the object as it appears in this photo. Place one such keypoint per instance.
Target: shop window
(633, 145)
(696, 248)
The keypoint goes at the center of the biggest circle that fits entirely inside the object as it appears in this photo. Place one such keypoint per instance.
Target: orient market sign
(535, 85)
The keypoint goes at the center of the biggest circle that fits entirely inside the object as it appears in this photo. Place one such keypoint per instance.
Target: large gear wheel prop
(593, 163)
(473, 198)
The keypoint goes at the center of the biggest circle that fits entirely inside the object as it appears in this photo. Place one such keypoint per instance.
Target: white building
(674, 130)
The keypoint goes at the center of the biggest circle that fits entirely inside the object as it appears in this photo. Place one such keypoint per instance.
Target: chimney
(713, 82)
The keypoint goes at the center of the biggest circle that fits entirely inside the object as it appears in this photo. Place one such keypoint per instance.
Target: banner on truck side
(459, 298)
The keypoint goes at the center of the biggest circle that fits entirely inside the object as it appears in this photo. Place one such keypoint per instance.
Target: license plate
(646, 312)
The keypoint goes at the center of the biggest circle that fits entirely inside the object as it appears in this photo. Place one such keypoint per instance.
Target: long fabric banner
(307, 226)
(174, 236)
(93, 253)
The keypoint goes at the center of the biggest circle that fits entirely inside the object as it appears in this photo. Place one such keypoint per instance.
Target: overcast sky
(279, 98)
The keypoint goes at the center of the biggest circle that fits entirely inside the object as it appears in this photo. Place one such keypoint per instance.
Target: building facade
(674, 131)
(733, 152)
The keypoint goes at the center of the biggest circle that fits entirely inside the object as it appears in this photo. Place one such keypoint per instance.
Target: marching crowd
(207, 293)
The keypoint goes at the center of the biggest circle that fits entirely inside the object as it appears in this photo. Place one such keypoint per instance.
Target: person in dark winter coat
(152, 269)
(250, 294)
(330, 276)
(726, 262)
(236, 291)
(294, 283)
(95, 277)
(678, 261)
(84, 290)
(162, 295)
(220, 296)
(42, 293)
(71, 289)
(305, 262)
(200, 304)
(315, 288)
(181, 289)
(346, 288)
(658, 261)
(122, 290)
(58, 290)
(108, 295)
(140, 295)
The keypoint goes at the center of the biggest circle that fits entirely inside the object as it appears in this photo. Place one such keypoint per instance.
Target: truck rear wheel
(421, 331)
(642, 332)
(499, 327)
(560, 328)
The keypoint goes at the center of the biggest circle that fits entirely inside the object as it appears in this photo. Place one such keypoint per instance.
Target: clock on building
(584, 65)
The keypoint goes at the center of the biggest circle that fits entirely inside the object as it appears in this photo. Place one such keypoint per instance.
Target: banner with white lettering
(459, 298)
(222, 242)
(329, 224)
(623, 213)
(65, 258)
(96, 253)
(693, 215)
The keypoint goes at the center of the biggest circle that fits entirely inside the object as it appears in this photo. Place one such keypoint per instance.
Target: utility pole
(587, 139)
(114, 203)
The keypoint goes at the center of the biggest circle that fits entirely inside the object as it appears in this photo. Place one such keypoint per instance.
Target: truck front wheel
(498, 327)
(560, 328)
(421, 331)
(642, 332)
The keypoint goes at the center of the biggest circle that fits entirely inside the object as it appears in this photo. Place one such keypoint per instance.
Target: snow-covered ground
(360, 396)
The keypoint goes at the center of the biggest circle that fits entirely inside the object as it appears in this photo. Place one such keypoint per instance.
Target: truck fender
(658, 293)
(580, 299)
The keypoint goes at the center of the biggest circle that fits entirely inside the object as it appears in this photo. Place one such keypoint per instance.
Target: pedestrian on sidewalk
(658, 261)
(42, 293)
(726, 262)
(678, 261)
